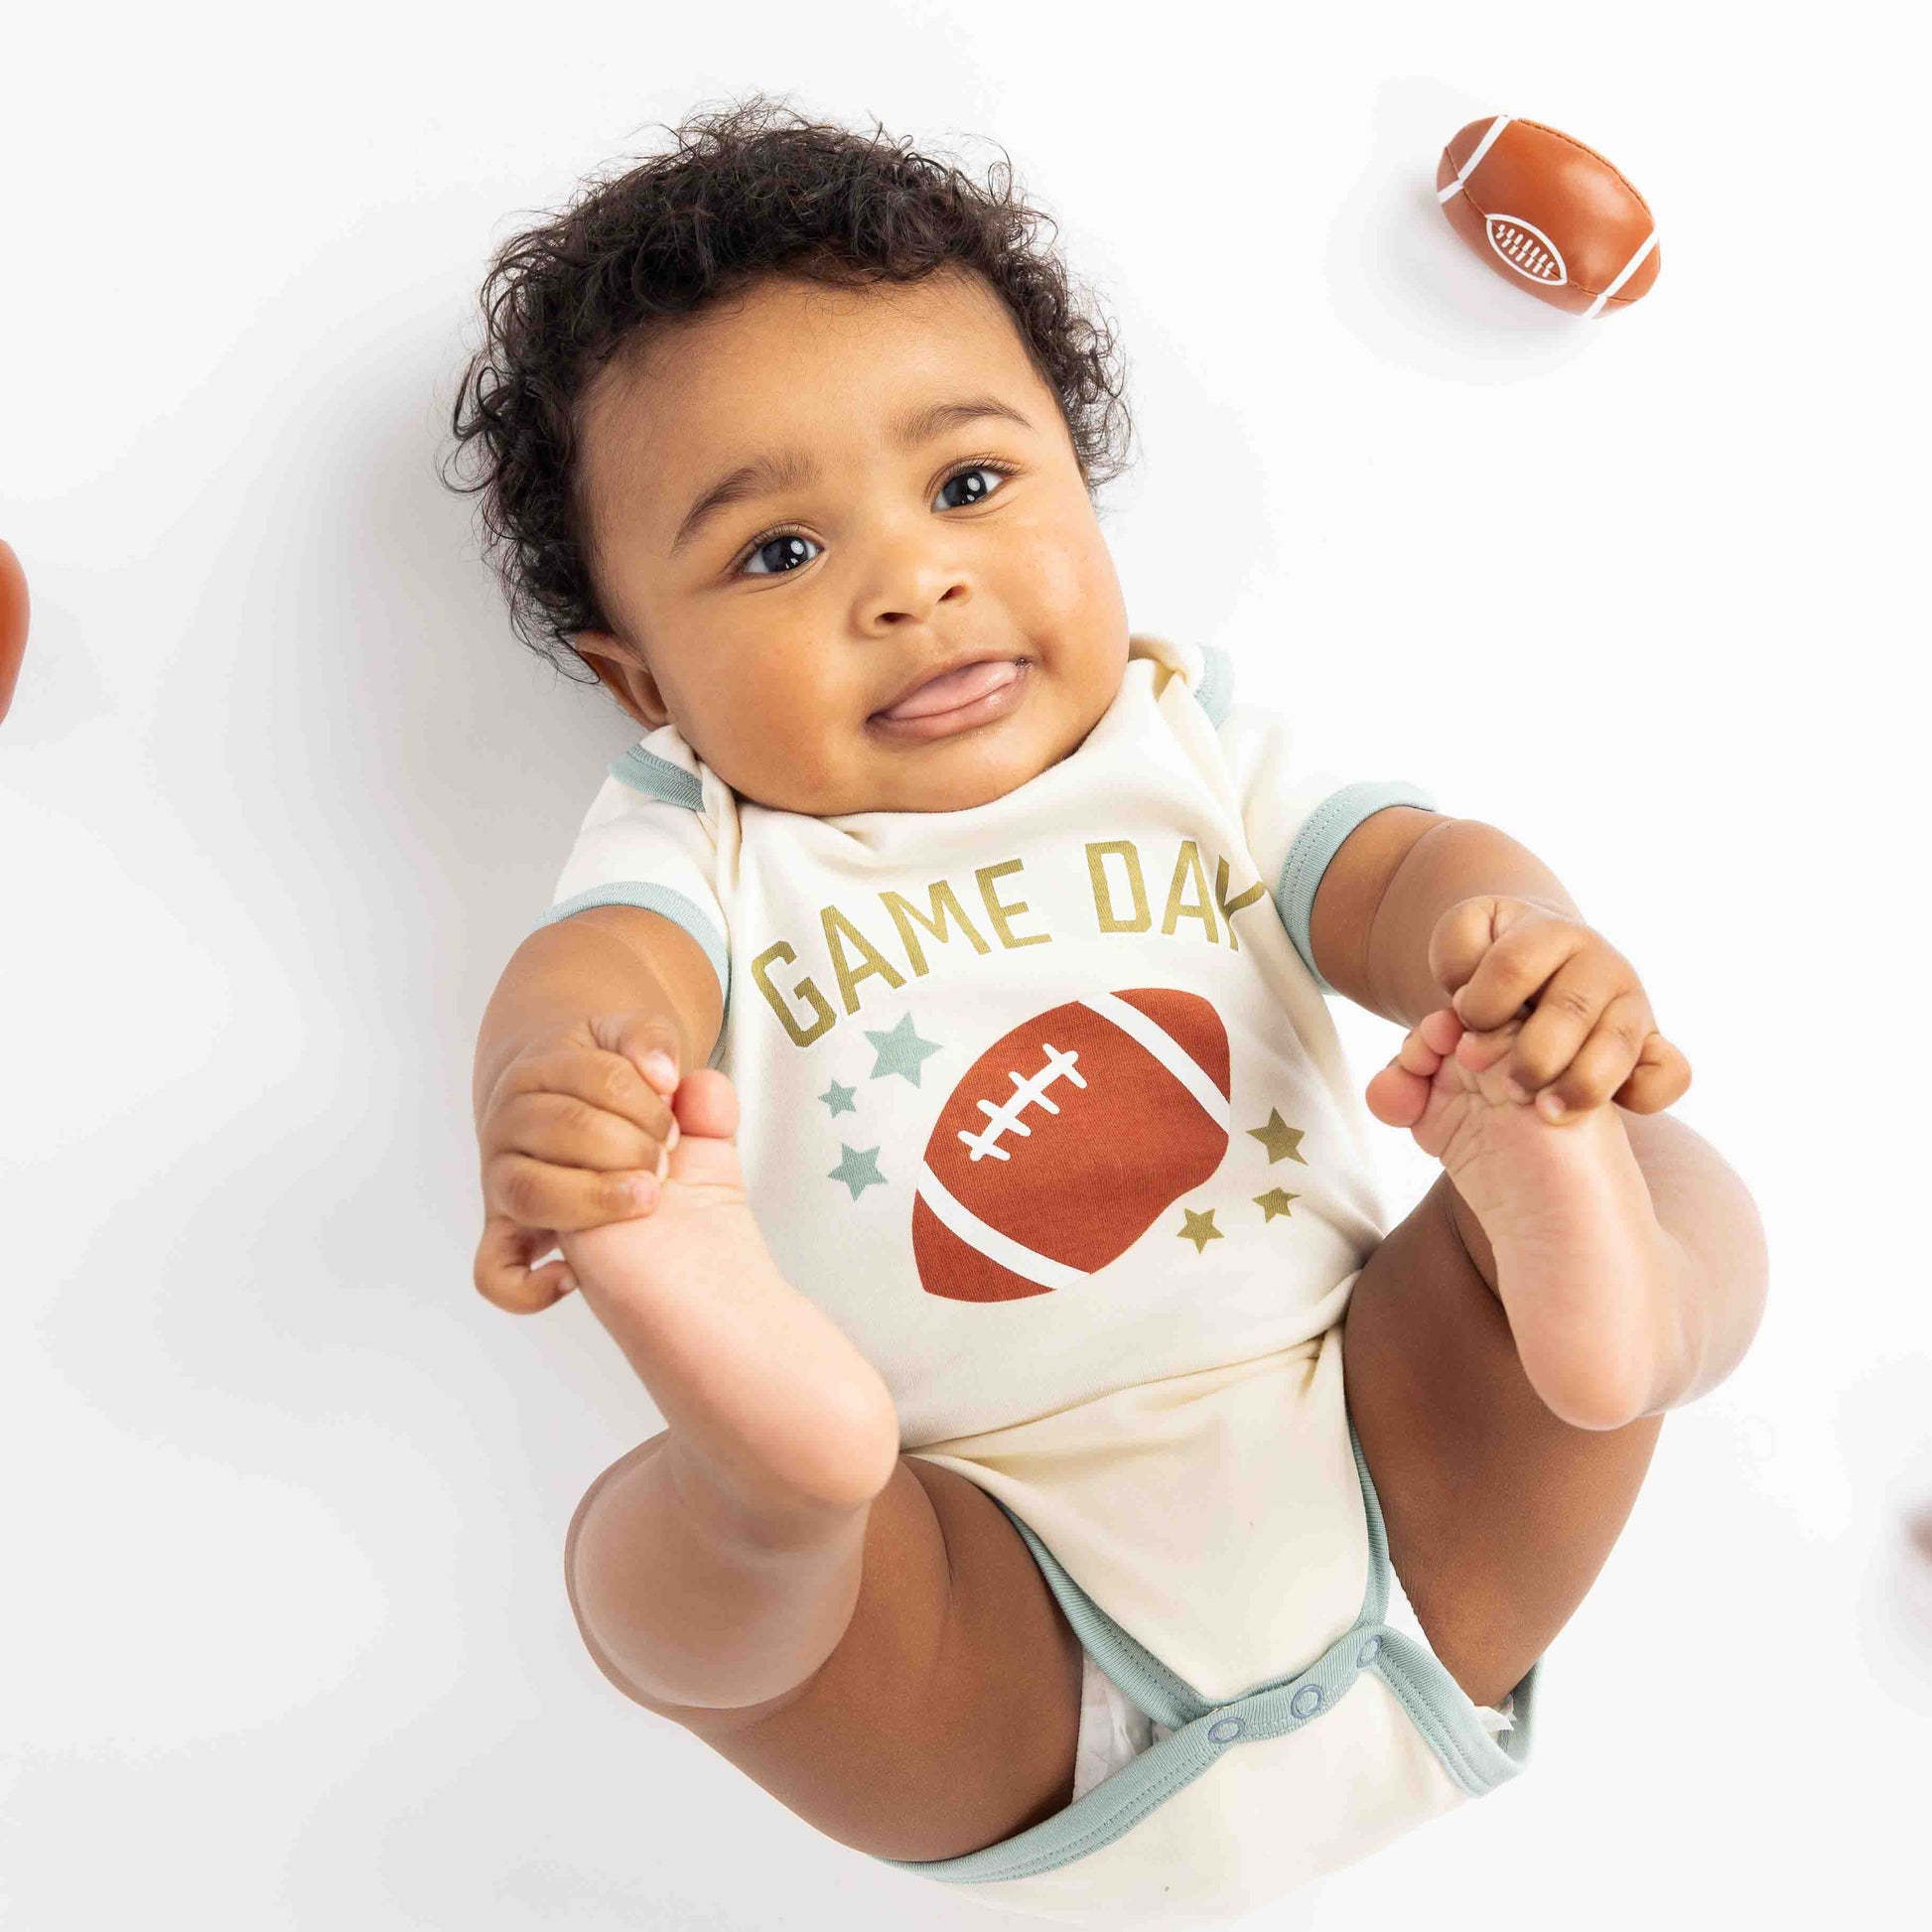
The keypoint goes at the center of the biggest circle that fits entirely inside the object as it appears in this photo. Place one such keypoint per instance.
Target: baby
(925, 1071)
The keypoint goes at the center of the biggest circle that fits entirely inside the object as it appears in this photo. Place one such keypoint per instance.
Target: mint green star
(857, 1170)
(838, 1099)
(899, 1051)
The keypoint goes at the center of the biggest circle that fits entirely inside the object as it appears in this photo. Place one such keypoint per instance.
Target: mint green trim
(1216, 690)
(1320, 837)
(675, 907)
(1435, 1702)
(658, 778)
(1442, 1709)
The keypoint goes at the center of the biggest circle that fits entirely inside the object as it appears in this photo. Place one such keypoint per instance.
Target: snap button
(1370, 1651)
(1307, 1700)
(1226, 1730)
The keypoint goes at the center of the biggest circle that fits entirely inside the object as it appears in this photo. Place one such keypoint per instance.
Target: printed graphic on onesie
(1040, 1099)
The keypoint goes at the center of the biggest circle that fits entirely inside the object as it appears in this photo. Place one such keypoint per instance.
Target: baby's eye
(980, 494)
(781, 550)
(787, 544)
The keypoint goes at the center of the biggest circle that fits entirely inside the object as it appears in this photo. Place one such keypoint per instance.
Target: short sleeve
(1297, 814)
(646, 840)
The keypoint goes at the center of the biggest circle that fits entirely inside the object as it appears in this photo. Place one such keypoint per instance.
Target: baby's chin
(970, 774)
(945, 774)
(958, 784)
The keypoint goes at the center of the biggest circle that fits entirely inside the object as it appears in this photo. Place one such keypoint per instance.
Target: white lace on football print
(1527, 249)
(1005, 1117)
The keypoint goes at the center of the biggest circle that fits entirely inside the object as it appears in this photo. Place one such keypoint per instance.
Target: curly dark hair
(750, 189)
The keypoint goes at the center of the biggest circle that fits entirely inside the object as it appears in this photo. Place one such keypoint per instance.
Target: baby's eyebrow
(773, 471)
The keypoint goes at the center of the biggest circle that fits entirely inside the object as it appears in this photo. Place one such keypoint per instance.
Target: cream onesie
(1041, 1103)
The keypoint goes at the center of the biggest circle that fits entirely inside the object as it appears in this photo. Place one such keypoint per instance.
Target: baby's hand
(575, 1134)
(1590, 1035)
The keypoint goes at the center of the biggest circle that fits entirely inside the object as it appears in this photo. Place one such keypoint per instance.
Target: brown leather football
(1548, 215)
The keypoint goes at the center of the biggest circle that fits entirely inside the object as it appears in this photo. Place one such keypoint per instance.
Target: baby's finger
(647, 1041)
(1524, 959)
(542, 1194)
(1602, 1063)
(569, 1132)
(502, 1272)
(1661, 1078)
(603, 1080)
(1582, 1003)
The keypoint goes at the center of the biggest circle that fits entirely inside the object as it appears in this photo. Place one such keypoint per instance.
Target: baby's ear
(625, 675)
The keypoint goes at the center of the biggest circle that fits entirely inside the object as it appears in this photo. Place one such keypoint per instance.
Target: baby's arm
(606, 959)
(1394, 876)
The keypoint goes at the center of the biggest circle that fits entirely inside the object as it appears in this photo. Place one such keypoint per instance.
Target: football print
(1065, 1138)
(1548, 215)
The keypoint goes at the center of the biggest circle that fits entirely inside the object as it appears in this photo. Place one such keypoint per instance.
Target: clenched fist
(576, 1133)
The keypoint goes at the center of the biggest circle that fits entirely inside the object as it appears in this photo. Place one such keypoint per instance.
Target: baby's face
(777, 626)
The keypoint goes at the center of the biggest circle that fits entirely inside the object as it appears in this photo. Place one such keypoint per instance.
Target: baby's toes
(705, 1104)
(1399, 1093)
(1395, 1096)
(704, 1156)
(1480, 1053)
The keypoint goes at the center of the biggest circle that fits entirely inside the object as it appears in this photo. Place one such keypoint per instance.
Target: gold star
(1274, 1201)
(1201, 1229)
(1278, 1138)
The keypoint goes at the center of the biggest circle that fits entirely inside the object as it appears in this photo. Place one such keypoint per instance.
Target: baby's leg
(944, 1718)
(1499, 1514)
(887, 1661)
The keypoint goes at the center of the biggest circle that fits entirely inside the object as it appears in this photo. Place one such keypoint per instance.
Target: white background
(285, 1640)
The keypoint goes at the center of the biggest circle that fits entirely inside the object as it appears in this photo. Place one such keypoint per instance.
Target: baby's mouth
(953, 689)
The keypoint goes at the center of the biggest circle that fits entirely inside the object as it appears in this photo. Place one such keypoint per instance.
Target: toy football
(1548, 215)
(1065, 1138)
(12, 623)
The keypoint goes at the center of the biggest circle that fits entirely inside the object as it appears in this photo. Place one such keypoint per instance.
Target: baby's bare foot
(750, 1375)
(1588, 1277)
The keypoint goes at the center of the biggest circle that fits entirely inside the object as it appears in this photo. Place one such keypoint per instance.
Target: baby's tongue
(955, 688)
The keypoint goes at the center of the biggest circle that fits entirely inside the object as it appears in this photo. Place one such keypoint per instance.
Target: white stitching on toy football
(1623, 274)
(1165, 1048)
(1469, 167)
(1008, 1253)
(1527, 249)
